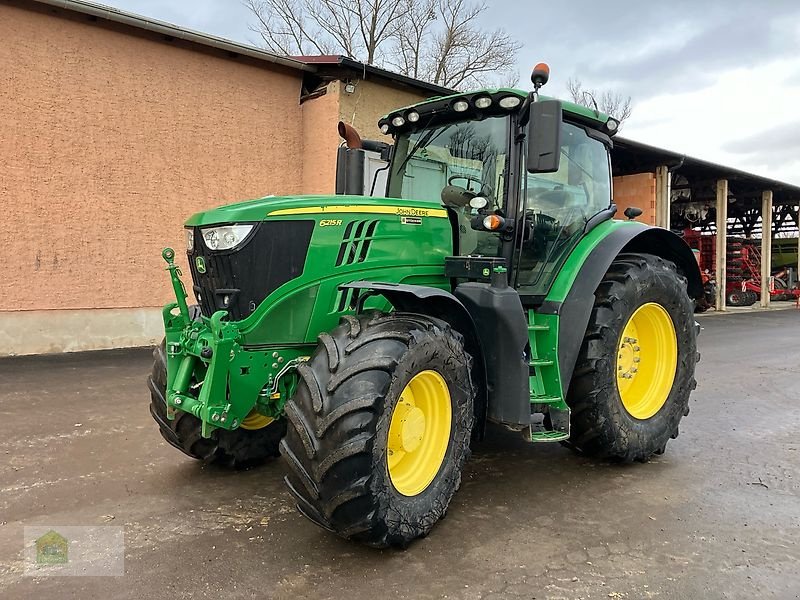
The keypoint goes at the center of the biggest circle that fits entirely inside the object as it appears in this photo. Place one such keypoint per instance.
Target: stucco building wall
(639, 191)
(369, 102)
(110, 141)
(320, 140)
(111, 137)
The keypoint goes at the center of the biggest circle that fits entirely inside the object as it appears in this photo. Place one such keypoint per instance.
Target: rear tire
(239, 448)
(602, 424)
(340, 446)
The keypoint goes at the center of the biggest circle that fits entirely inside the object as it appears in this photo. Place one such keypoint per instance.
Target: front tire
(635, 370)
(380, 427)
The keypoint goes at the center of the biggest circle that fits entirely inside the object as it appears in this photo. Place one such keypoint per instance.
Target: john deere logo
(200, 263)
(51, 549)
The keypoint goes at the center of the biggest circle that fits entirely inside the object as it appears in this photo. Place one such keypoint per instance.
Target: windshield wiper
(576, 163)
(426, 139)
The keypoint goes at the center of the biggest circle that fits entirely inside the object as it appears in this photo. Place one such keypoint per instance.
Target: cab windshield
(453, 163)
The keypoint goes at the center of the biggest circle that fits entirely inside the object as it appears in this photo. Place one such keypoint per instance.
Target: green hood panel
(290, 206)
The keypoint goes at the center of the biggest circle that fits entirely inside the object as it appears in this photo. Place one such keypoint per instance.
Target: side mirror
(544, 137)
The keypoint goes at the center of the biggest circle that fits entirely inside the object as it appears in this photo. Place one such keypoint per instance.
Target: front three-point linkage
(197, 346)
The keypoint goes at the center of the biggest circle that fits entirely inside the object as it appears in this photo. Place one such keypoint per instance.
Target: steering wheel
(469, 179)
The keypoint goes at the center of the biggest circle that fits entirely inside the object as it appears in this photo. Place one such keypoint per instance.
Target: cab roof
(440, 104)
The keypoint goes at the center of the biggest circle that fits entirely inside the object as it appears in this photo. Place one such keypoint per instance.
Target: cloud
(784, 135)
(737, 39)
(223, 18)
(644, 49)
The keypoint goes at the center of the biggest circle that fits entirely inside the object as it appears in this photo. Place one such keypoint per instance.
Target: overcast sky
(715, 79)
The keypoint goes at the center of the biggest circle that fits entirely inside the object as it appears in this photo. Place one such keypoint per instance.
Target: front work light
(510, 102)
(483, 102)
(398, 121)
(189, 238)
(413, 116)
(460, 105)
(478, 202)
(225, 237)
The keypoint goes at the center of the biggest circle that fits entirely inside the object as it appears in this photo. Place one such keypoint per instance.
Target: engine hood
(288, 206)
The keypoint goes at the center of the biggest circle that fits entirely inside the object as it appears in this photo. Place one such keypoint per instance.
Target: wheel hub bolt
(215, 417)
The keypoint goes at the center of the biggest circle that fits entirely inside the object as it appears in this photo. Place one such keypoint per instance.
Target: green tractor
(369, 340)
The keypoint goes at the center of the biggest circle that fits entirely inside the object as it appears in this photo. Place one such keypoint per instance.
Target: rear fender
(440, 304)
(576, 308)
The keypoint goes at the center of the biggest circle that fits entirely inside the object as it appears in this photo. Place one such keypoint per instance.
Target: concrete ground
(718, 516)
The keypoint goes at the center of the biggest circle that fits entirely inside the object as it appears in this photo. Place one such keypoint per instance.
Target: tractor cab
(523, 178)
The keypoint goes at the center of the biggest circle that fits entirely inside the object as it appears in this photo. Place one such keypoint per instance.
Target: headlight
(225, 237)
(189, 238)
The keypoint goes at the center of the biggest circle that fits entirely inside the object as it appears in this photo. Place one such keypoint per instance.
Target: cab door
(555, 208)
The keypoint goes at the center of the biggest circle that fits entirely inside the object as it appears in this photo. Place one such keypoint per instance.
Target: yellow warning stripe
(400, 211)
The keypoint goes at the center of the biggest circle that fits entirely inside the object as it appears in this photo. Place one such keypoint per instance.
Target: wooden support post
(766, 245)
(722, 242)
(663, 193)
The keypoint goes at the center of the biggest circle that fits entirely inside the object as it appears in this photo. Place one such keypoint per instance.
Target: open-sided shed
(698, 194)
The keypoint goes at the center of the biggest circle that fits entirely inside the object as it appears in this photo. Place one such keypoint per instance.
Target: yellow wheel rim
(419, 433)
(646, 360)
(255, 420)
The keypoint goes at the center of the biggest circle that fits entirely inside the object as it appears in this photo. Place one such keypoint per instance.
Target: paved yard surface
(718, 516)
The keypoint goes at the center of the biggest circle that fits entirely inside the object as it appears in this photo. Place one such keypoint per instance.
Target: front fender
(440, 304)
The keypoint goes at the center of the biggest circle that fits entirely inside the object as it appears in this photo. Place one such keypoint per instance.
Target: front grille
(238, 280)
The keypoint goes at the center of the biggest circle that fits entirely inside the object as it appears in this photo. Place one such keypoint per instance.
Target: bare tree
(440, 41)
(612, 103)
(412, 39)
(356, 28)
(466, 56)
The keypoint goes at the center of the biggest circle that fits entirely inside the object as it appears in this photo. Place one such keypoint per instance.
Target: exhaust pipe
(351, 161)
(350, 135)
